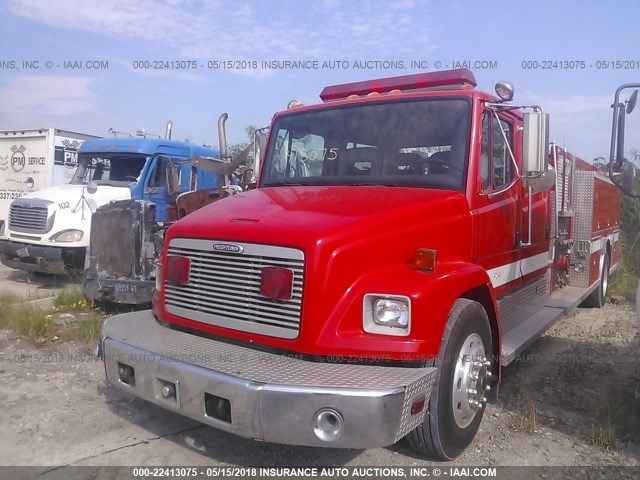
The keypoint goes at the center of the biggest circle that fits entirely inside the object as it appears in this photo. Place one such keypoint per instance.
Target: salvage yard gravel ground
(570, 400)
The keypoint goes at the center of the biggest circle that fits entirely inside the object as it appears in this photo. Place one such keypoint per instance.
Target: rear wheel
(598, 297)
(457, 402)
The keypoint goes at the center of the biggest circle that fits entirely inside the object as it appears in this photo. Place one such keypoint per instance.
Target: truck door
(534, 255)
(157, 188)
(499, 205)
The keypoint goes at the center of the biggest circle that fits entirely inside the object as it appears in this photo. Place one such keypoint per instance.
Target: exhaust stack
(222, 136)
(169, 129)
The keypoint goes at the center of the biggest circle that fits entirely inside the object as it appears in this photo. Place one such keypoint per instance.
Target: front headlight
(387, 314)
(391, 313)
(67, 236)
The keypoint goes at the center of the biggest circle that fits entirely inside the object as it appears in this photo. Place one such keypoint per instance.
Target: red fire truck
(410, 236)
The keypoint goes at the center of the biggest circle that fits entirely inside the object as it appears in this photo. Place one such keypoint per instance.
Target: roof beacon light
(504, 90)
(294, 104)
(460, 78)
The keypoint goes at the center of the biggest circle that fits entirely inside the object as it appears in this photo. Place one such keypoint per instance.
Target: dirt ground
(571, 400)
(29, 285)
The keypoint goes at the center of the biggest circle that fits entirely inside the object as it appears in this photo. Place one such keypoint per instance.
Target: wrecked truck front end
(120, 265)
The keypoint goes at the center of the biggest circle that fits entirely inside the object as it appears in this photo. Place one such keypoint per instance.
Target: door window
(496, 166)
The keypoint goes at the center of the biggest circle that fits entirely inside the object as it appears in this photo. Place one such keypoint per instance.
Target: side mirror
(92, 187)
(260, 143)
(631, 103)
(542, 182)
(535, 142)
(173, 179)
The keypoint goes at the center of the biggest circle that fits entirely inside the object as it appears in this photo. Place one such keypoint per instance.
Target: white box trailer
(34, 159)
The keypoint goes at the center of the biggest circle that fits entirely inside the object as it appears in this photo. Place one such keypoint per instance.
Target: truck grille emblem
(227, 247)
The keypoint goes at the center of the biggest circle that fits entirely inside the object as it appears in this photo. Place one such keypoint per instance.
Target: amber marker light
(426, 259)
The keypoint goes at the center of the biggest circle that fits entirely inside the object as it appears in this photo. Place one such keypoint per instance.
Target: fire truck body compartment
(596, 213)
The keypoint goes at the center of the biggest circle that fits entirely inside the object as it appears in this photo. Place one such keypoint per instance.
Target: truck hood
(306, 217)
(356, 240)
(73, 193)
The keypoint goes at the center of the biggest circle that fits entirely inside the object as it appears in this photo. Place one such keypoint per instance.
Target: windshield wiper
(285, 184)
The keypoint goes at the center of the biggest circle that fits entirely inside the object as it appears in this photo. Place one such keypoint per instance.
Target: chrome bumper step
(271, 397)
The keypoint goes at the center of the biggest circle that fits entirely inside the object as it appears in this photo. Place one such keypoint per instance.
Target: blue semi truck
(121, 188)
(128, 234)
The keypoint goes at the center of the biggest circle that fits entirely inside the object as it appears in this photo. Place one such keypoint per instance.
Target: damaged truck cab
(407, 239)
(120, 265)
(49, 231)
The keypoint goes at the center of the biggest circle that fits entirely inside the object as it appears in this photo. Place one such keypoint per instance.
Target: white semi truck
(34, 159)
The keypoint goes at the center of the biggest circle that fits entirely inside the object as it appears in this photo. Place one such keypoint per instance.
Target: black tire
(598, 297)
(439, 436)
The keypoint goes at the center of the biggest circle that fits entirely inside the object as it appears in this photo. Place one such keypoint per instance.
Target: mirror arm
(617, 106)
(616, 152)
(620, 138)
(530, 215)
(506, 142)
(505, 188)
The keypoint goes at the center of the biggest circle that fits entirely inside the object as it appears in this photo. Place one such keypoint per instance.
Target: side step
(568, 298)
(516, 340)
(562, 303)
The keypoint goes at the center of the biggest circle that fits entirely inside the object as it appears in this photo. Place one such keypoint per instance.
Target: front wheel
(457, 402)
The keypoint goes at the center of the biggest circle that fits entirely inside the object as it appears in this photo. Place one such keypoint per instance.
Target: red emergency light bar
(460, 78)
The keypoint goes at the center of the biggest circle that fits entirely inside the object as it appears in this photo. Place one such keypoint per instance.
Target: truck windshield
(421, 143)
(108, 168)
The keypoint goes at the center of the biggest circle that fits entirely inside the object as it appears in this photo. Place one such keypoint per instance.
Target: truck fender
(455, 280)
(449, 282)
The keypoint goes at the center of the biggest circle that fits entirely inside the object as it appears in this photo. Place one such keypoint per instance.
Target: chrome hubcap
(470, 380)
(605, 279)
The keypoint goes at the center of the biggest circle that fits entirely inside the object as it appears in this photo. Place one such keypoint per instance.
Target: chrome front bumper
(269, 397)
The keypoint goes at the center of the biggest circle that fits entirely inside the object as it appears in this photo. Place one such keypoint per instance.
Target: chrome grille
(224, 288)
(23, 218)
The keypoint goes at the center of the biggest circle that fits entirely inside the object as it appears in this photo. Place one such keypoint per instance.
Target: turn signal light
(276, 283)
(178, 268)
(426, 259)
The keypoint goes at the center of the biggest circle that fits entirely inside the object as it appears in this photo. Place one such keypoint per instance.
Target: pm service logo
(18, 159)
(227, 247)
